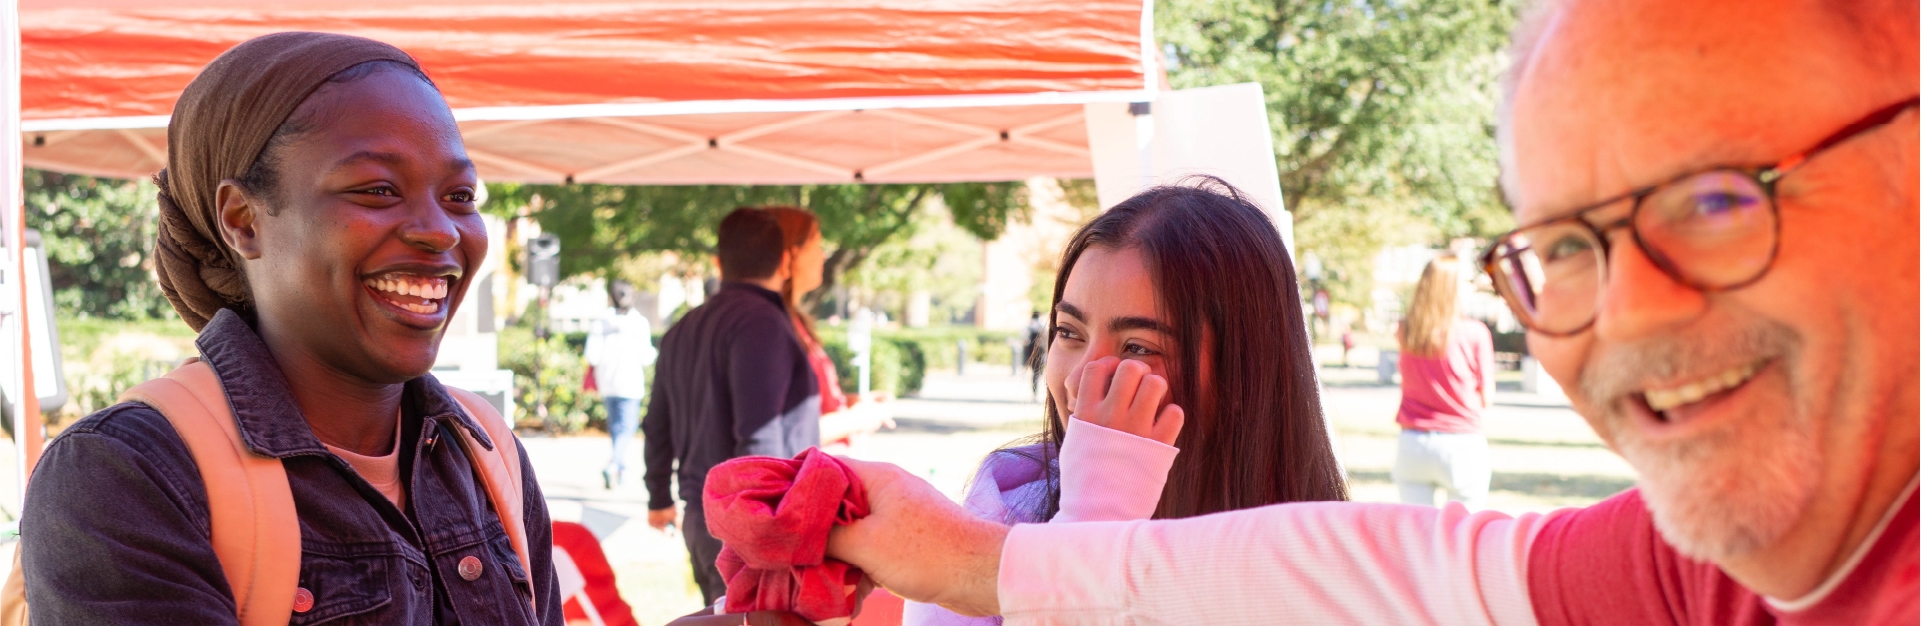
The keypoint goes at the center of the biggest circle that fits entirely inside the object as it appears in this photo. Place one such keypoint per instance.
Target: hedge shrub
(940, 345)
(899, 366)
(570, 408)
(901, 359)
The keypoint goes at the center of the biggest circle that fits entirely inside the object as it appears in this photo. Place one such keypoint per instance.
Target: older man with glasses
(1718, 260)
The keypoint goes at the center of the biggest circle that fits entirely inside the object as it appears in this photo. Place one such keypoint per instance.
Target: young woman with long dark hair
(1178, 375)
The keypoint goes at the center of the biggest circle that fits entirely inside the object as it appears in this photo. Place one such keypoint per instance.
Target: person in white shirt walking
(619, 349)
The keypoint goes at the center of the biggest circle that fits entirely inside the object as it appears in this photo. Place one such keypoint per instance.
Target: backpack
(256, 531)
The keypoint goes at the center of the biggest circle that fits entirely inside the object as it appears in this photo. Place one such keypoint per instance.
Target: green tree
(98, 234)
(1382, 112)
(599, 225)
(935, 256)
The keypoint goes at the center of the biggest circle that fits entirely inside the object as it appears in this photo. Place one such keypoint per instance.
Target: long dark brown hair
(1257, 436)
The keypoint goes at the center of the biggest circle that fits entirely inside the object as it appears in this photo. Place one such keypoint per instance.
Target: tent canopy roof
(637, 91)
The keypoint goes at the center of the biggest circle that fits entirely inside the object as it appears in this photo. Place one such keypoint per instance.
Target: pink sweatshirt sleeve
(1106, 475)
(1110, 476)
(1303, 563)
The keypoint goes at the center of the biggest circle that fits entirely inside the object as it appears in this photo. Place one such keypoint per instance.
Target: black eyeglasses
(1713, 230)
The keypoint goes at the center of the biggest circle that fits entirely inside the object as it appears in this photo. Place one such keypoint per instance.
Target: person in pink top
(1447, 380)
(1716, 260)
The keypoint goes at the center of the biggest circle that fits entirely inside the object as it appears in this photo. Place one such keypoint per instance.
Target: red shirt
(1606, 564)
(1442, 392)
(831, 397)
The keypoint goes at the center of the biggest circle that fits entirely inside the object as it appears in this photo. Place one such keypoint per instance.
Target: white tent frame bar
(13, 346)
(984, 137)
(686, 107)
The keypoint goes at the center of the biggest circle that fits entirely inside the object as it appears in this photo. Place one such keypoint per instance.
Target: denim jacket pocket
(509, 561)
(344, 591)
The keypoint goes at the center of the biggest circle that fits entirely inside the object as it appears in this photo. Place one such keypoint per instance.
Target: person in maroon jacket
(1716, 259)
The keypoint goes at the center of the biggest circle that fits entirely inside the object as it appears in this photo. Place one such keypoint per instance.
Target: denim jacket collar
(270, 421)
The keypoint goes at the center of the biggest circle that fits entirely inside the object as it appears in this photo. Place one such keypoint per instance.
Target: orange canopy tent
(638, 91)
(608, 91)
(655, 92)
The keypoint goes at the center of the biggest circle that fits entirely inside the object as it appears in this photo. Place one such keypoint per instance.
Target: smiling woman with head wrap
(221, 130)
(318, 227)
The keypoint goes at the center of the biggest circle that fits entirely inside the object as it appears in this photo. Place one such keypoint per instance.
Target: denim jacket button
(470, 568)
(302, 600)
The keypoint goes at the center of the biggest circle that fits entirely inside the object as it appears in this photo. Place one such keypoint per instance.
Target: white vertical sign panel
(1220, 131)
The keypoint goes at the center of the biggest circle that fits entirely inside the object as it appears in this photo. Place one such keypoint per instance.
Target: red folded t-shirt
(772, 517)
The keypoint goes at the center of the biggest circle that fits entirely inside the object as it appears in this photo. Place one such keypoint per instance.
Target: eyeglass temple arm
(1878, 117)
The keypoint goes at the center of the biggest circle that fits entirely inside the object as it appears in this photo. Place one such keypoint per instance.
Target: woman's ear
(237, 215)
(786, 269)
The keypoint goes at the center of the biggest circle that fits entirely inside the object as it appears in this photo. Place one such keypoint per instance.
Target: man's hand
(1125, 396)
(880, 409)
(660, 519)
(919, 545)
(865, 416)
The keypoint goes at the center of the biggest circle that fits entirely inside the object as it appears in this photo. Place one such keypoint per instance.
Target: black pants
(702, 550)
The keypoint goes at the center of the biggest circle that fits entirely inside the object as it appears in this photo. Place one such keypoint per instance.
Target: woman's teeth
(1664, 399)
(421, 294)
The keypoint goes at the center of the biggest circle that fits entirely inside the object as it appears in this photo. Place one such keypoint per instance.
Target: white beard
(1731, 492)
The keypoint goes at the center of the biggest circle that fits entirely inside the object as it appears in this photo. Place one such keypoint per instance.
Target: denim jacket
(116, 528)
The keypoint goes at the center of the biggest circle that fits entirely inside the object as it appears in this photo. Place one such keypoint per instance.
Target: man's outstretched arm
(1307, 562)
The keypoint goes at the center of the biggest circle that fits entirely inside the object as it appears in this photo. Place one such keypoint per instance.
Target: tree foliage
(98, 234)
(1382, 111)
(599, 225)
(936, 257)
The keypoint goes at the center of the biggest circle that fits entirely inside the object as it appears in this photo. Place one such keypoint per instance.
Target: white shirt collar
(1834, 580)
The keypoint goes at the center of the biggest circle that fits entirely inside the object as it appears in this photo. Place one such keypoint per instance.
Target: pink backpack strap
(256, 531)
(499, 471)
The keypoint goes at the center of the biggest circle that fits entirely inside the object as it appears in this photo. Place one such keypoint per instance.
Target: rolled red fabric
(772, 517)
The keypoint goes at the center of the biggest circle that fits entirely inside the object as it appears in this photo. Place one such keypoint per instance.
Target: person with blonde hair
(1447, 380)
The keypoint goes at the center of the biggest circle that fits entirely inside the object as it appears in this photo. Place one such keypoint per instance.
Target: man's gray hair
(1527, 35)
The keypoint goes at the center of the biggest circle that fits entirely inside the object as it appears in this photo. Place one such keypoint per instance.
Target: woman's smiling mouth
(410, 292)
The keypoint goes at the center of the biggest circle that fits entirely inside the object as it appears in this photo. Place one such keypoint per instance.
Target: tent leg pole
(13, 237)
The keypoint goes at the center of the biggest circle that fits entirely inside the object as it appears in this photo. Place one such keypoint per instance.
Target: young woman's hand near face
(1124, 396)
